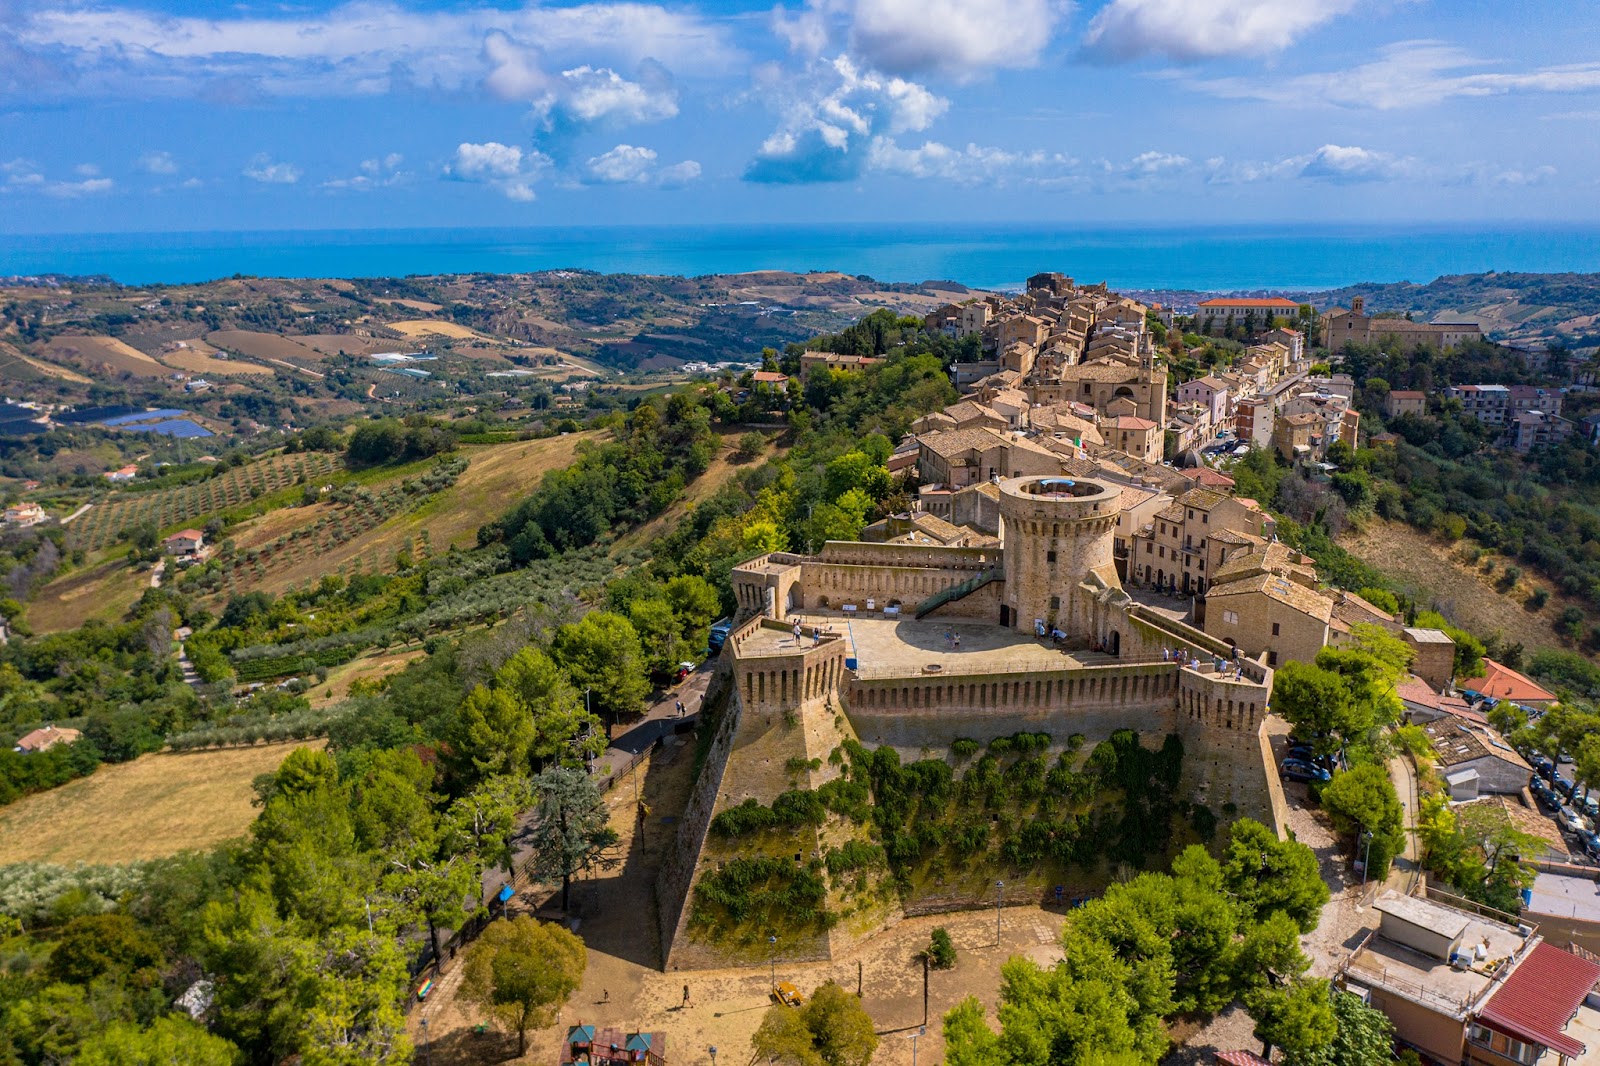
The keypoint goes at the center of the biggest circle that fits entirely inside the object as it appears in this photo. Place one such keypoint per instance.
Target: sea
(1286, 257)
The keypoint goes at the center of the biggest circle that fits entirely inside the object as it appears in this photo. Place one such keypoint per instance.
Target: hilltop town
(897, 670)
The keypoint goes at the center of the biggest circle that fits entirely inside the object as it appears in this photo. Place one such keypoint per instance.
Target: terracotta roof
(1503, 683)
(954, 442)
(187, 534)
(1415, 690)
(1456, 742)
(1209, 478)
(1280, 588)
(1540, 997)
(768, 376)
(1241, 1058)
(1135, 422)
(1205, 499)
(1407, 394)
(46, 737)
(1228, 301)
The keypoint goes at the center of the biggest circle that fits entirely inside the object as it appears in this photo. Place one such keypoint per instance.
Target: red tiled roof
(1241, 1058)
(1225, 301)
(1541, 996)
(1208, 477)
(1503, 683)
(768, 376)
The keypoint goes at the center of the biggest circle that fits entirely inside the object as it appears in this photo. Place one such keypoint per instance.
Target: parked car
(1542, 764)
(1571, 821)
(1547, 800)
(1589, 841)
(1561, 784)
(1302, 770)
(719, 634)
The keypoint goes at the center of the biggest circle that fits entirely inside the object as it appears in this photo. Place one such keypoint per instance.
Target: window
(1231, 617)
(1049, 557)
(1055, 603)
(1272, 658)
(1147, 546)
(1206, 518)
(1274, 629)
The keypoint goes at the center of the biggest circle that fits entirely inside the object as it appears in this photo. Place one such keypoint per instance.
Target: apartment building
(1178, 550)
(1405, 402)
(1215, 316)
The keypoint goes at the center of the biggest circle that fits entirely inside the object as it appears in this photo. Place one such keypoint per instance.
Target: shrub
(1537, 599)
(941, 950)
(748, 817)
(964, 748)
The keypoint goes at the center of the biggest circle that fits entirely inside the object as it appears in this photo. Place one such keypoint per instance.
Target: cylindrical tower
(1055, 530)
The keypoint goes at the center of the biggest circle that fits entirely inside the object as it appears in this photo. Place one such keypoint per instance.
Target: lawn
(154, 806)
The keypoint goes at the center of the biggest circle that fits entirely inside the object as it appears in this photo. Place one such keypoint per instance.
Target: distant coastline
(1212, 259)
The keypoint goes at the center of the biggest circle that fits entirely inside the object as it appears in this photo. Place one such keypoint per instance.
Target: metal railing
(979, 668)
(957, 591)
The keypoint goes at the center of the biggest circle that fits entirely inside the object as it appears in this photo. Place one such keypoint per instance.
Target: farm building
(184, 542)
(45, 738)
(24, 515)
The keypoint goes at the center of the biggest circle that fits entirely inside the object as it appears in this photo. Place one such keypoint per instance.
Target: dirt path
(76, 513)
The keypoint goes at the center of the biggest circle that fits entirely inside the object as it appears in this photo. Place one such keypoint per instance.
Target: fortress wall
(924, 556)
(935, 710)
(1222, 724)
(679, 864)
(830, 584)
(751, 762)
(809, 673)
(980, 605)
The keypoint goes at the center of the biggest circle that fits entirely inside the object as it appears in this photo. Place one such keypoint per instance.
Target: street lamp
(713, 1050)
(922, 1031)
(772, 960)
(999, 894)
(1366, 853)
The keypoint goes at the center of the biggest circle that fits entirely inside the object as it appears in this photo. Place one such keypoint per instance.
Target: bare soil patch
(1434, 573)
(424, 327)
(266, 346)
(103, 356)
(201, 358)
(102, 592)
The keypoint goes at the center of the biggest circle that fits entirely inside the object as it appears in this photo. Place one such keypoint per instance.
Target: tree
(495, 732)
(695, 601)
(831, 1029)
(1270, 876)
(1363, 799)
(1298, 1018)
(521, 972)
(1365, 1035)
(1315, 701)
(170, 1039)
(570, 831)
(105, 945)
(601, 652)
(562, 729)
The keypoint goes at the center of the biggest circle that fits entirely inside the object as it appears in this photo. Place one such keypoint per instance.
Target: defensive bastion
(877, 660)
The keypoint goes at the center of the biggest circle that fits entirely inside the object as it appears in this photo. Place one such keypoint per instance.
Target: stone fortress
(916, 645)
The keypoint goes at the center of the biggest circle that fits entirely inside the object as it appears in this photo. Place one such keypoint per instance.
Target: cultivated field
(416, 305)
(167, 508)
(14, 366)
(424, 327)
(201, 358)
(102, 592)
(1432, 574)
(103, 356)
(266, 346)
(348, 343)
(367, 668)
(155, 806)
(294, 546)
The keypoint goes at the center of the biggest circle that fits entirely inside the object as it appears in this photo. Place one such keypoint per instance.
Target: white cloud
(628, 164)
(593, 95)
(372, 174)
(1342, 165)
(830, 115)
(264, 170)
(361, 47)
(583, 94)
(503, 166)
(1407, 74)
(23, 175)
(157, 163)
(973, 165)
(622, 164)
(958, 38)
(1204, 29)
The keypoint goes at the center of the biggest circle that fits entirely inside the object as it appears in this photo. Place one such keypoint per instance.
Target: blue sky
(161, 114)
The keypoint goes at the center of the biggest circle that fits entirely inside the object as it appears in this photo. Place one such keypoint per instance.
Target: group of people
(952, 640)
(1183, 657)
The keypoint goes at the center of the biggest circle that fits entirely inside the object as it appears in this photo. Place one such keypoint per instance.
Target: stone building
(1178, 550)
(876, 659)
(1355, 326)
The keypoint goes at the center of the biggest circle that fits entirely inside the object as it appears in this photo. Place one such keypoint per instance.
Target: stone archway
(1116, 644)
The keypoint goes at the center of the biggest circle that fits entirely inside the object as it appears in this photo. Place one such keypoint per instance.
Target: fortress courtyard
(905, 647)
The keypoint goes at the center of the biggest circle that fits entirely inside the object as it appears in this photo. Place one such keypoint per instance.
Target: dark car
(1543, 765)
(1302, 770)
(1561, 784)
(719, 634)
(1589, 841)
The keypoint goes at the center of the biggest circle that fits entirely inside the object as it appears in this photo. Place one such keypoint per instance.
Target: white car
(1572, 821)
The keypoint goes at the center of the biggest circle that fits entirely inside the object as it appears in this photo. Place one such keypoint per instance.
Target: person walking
(685, 996)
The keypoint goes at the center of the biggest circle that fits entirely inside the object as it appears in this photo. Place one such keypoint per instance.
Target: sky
(200, 115)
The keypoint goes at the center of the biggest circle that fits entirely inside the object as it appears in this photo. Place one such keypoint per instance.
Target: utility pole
(920, 1032)
(999, 895)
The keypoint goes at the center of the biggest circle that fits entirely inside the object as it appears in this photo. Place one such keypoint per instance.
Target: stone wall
(935, 710)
